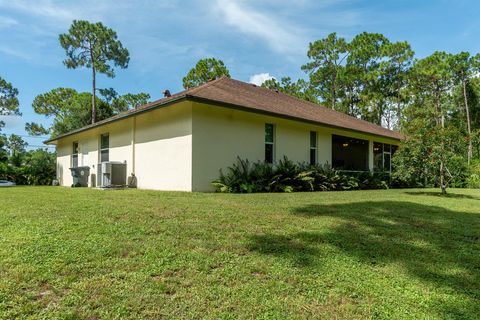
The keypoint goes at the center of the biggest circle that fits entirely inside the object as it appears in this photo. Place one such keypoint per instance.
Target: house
(182, 141)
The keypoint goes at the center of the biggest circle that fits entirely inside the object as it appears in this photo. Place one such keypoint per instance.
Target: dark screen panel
(349, 153)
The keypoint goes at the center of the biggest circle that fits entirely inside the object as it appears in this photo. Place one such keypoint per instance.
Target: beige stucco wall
(183, 146)
(163, 148)
(220, 135)
(161, 158)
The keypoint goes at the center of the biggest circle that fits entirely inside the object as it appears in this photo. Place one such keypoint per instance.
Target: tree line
(434, 101)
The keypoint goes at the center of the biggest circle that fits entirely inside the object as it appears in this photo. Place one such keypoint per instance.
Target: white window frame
(315, 147)
(383, 156)
(74, 153)
(104, 149)
(384, 168)
(272, 143)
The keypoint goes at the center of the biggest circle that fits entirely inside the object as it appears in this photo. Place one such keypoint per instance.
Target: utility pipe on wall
(134, 125)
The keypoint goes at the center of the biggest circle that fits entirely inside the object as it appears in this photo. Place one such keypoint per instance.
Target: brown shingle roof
(256, 98)
(249, 97)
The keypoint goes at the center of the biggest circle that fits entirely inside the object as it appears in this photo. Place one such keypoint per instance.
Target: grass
(387, 254)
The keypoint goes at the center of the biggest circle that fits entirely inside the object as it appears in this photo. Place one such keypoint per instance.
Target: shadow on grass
(294, 248)
(436, 245)
(439, 194)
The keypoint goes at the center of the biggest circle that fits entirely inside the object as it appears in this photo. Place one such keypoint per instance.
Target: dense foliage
(94, 46)
(437, 121)
(286, 176)
(434, 101)
(23, 167)
(473, 179)
(204, 71)
(300, 88)
(8, 100)
(72, 110)
(363, 78)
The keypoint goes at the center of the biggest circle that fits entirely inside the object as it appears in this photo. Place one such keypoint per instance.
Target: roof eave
(116, 118)
(280, 115)
(206, 100)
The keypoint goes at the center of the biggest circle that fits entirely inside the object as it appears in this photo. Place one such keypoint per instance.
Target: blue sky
(253, 38)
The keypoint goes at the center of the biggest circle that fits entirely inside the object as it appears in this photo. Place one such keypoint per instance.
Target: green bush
(287, 176)
(39, 167)
(6, 171)
(457, 172)
(36, 168)
(473, 179)
(417, 162)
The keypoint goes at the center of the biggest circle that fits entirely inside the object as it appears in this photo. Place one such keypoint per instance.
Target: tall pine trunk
(443, 186)
(399, 108)
(94, 88)
(442, 164)
(334, 91)
(469, 129)
(94, 107)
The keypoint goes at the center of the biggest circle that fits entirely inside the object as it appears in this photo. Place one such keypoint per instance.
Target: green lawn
(90, 254)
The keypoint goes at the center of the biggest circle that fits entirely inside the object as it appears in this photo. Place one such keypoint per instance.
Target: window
(313, 148)
(382, 153)
(387, 161)
(378, 156)
(269, 143)
(349, 153)
(104, 147)
(75, 155)
(394, 149)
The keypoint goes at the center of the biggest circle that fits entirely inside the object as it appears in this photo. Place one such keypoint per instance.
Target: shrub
(287, 176)
(37, 168)
(473, 179)
(457, 172)
(417, 162)
(244, 177)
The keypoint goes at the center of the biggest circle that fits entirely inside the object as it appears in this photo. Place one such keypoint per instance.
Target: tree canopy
(8, 100)
(434, 101)
(204, 71)
(300, 88)
(121, 103)
(94, 46)
(326, 67)
(465, 67)
(71, 110)
(35, 167)
(363, 77)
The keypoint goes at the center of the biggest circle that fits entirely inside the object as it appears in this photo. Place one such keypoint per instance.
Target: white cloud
(34, 38)
(61, 13)
(15, 53)
(260, 78)
(45, 8)
(7, 22)
(32, 52)
(279, 35)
